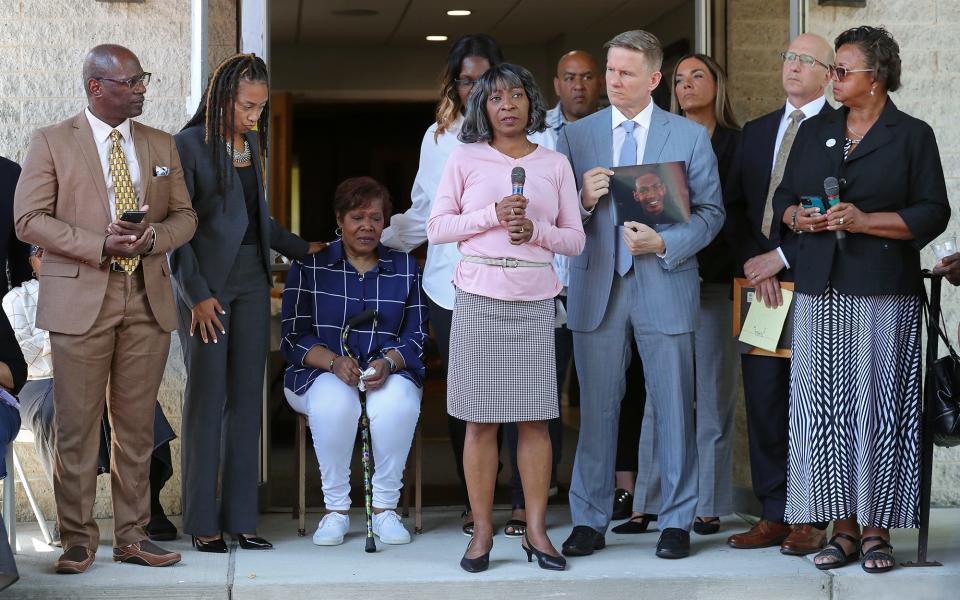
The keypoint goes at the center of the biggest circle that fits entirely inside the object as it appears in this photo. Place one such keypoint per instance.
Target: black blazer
(13, 252)
(717, 260)
(745, 193)
(896, 169)
(200, 268)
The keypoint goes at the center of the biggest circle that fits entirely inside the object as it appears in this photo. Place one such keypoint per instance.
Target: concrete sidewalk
(428, 568)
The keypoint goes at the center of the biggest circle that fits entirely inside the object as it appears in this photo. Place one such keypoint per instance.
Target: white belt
(510, 263)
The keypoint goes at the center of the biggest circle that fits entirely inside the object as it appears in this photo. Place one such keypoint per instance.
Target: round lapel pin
(831, 143)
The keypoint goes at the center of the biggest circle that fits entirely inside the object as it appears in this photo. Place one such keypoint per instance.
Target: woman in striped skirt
(854, 418)
(502, 367)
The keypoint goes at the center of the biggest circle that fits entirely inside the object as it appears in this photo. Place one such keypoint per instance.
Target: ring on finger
(841, 220)
(811, 227)
(521, 230)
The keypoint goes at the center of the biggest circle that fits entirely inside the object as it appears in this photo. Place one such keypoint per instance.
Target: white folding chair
(15, 471)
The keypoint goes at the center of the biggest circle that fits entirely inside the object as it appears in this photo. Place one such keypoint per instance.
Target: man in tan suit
(105, 295)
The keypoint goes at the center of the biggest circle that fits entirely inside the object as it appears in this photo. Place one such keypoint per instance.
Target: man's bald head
(805, 83)
(578, 84)
(107, 69)
(107, 60)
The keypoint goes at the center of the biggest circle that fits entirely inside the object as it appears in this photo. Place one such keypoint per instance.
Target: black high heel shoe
(217, 546)
(475, 565)
(253, 542)
(544, 560)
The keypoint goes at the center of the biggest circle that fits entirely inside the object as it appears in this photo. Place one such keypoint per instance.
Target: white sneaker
(389, 529)
(333, 526)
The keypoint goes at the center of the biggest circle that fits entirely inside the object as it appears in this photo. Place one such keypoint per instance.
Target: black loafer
(673, 543)
(583, 541)
(622, 504)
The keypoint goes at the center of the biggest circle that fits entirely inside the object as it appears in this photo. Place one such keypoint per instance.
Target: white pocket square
(161, 171)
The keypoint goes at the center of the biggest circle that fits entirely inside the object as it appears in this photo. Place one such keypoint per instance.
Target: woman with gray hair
(502, 367)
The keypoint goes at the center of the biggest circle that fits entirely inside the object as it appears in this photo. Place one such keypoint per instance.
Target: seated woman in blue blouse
(327, 289)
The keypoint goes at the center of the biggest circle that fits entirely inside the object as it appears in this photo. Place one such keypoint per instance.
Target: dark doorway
(334, 141)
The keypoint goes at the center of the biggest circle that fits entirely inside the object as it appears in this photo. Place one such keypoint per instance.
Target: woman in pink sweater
(502, 367)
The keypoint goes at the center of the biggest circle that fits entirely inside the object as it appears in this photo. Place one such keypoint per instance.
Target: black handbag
(944, 381)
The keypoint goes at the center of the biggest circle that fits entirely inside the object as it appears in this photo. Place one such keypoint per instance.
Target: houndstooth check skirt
(502, 367)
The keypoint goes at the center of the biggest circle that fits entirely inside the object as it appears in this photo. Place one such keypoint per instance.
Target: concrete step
(429, 568)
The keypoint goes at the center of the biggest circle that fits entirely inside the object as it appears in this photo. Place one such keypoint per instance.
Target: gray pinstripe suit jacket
(588, 143)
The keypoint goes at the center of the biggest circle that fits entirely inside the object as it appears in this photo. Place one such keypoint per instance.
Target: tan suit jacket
(61, 204)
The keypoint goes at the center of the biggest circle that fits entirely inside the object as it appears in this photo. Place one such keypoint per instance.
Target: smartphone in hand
(133, 216)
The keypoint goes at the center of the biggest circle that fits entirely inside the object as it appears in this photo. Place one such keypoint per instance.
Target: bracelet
(793, 219)
(332, 361)
(393, 365)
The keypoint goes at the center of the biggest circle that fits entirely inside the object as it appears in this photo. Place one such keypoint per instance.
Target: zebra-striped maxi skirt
(855, 410)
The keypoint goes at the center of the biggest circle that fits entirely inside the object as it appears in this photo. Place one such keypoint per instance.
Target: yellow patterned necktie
(125, 197)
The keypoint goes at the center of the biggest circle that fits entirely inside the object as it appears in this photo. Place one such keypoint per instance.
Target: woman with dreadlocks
(222, 283)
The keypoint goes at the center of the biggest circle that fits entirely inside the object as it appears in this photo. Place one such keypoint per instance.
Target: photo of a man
(653, 194)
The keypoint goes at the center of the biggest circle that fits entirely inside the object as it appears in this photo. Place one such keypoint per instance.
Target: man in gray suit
(635, 277)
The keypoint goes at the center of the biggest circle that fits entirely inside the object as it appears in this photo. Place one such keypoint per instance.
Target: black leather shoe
(160, 529)
(673, 543)
(217, 546)
(583, 541)
(544, 560)
(475, 565)
(622, 504)
(253, 542)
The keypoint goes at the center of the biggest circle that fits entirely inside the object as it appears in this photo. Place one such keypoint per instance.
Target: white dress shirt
(642, 119)
(548, 139)
(20, 305)
(101, 137)
(810, 109)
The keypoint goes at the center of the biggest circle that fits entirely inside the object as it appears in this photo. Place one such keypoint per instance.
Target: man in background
(757, 171)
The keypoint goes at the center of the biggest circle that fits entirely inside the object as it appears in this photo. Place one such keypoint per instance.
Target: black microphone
(517, 178)
(832, 189)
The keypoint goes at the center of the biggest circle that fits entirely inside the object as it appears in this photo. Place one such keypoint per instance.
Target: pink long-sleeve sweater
(476, 177)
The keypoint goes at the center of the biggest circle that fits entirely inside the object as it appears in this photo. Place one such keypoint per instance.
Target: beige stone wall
(757, 31)
(928, 32)
(42, 44)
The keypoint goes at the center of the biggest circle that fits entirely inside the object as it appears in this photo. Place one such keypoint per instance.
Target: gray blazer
(200, 268)
(588, 143)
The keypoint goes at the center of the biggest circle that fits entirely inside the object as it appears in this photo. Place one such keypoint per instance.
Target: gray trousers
(715, 362)
(602, 356)
(222, 404)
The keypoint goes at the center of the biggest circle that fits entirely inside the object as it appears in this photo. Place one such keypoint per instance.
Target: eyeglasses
(131, 83)
(841, 72)
(466, 84)
(805, 59)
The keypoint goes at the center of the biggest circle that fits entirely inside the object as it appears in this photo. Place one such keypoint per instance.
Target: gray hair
(640, 41)
(476, 125)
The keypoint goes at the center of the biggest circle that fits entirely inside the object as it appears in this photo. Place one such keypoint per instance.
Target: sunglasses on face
(841, 72)
(805, 59)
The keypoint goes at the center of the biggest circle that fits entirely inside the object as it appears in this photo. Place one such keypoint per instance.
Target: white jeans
(333, 412)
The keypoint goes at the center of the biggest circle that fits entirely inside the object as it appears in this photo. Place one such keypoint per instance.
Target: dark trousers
(631, 415)
(222, 404)
(766, 390)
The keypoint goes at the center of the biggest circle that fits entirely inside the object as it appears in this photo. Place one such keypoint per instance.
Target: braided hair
(218, 125)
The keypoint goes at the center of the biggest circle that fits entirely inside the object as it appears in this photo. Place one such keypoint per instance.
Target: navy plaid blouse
(324, 291)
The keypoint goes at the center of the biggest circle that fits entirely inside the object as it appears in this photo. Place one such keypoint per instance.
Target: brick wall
(42, 44)
(928, 32)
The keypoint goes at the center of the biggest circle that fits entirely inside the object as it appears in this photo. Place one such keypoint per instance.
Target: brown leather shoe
(762, 535)
(145, 553)
(74, 561)
(803, 540)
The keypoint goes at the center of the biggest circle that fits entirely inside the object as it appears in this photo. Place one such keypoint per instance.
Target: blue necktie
(628, 157)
